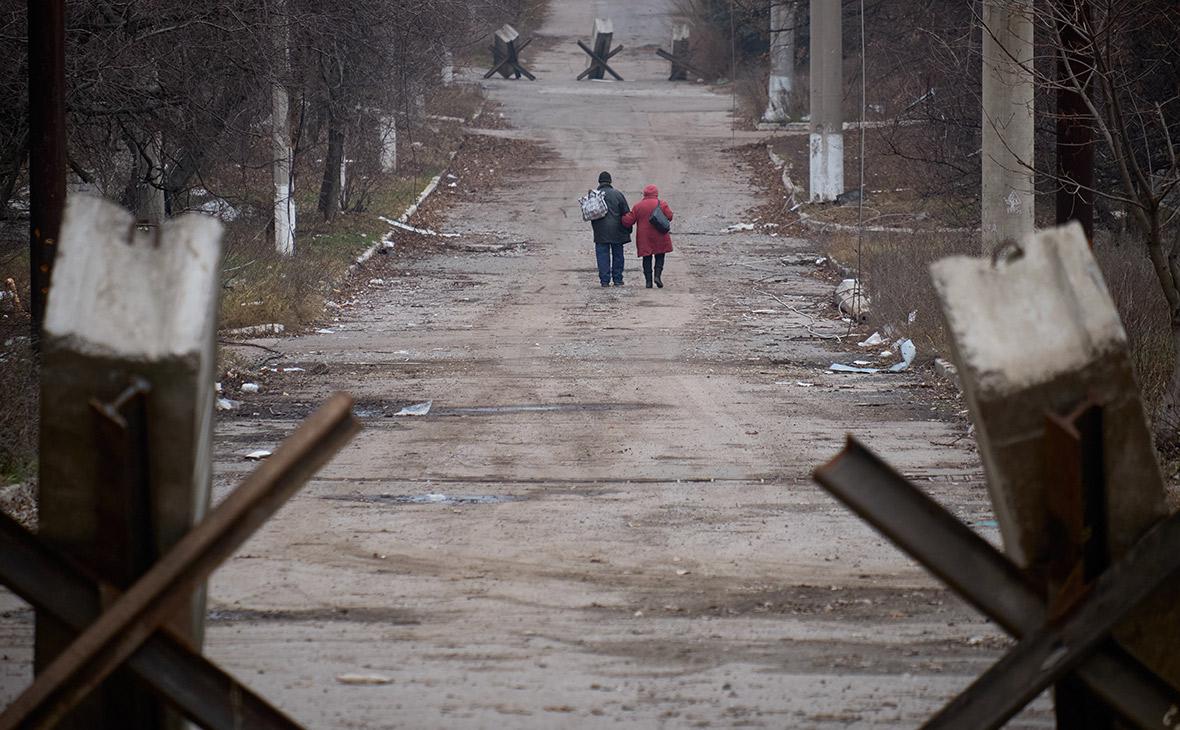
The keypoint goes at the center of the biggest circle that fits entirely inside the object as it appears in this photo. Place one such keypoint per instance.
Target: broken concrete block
(1033, 332)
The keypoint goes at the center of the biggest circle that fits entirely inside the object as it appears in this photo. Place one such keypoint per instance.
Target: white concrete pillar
(1007, 191)
(827, 86)
(783, 16)
(389, 144)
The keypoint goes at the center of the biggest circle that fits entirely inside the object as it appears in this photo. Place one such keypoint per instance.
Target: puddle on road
(433, 498)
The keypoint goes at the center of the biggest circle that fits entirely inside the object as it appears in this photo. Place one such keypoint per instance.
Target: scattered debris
(851, 299)
(250, 387)
(364, 679)
(908, 353)
(376, 282)
(872, 340)
(225, 404)
(418, 409)
(257, 455)
(325, 331)
(256, 330)
(736, 227)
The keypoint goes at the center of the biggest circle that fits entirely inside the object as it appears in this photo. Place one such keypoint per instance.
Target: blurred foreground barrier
(1075, 486)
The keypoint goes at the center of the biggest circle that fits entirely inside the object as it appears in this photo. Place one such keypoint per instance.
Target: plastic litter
(325, 331)
(872, 340)
(739, 227)
(257, 455)
(225, 404)
(250, 387)
(418, 409)
(908, 353)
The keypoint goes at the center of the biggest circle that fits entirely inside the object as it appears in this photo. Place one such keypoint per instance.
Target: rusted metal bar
(982, 575)
(1075, 502)
(679, 61)
(135, 615)
(1052, 651)
(188, 681)
(512, 59)
(47, 147)
(126, 544)
(599, 61)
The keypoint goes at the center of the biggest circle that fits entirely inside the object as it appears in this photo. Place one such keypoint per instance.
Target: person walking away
(650, 241)
(610, 235)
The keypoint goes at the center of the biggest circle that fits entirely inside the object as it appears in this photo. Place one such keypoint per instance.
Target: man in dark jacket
(610, 235)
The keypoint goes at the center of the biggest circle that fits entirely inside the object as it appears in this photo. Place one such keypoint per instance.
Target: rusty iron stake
(165, 663)
(135, 615)
(1075, 493)
(983, 576)
(126, 542)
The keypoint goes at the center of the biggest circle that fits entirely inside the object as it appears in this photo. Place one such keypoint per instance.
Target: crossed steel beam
(131, 630)
(681, 61)
(511, 58)
(599, 61)
(1077, 643)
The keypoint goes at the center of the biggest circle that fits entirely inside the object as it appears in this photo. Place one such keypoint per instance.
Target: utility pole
(47, 146)
(783, 15)
(284, 200)
(827, 87)
(1075, 133)
(1007, 190)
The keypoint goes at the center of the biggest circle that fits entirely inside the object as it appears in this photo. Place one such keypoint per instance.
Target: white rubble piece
(256, 330)
(851, 299)
(1037, 331)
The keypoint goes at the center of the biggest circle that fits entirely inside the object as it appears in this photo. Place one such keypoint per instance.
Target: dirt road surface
(606, 520)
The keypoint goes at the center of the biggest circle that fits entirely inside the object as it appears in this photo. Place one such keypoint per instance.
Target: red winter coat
(648, 239)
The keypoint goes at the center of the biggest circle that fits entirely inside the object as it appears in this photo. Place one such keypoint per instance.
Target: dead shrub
(18, 411)
(1136, 292)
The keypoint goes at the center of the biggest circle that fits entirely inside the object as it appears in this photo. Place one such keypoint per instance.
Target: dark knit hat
(604, 178)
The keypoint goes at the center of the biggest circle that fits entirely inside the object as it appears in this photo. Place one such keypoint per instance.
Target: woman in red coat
(649, 240)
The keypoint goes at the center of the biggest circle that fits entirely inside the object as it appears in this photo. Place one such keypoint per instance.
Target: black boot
(659, 283)
(647, 270)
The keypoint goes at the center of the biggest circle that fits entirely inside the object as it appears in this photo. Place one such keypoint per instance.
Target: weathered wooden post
(126, 413)
(1035, 334)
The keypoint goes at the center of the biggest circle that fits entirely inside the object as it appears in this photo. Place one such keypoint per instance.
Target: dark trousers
(659, 257)
(610, 262)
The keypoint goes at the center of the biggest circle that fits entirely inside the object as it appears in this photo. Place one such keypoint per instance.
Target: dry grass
(896, 273)
(1136, 292)
(18, 414)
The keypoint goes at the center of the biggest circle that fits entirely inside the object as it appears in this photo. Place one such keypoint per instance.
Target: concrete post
(1007, 190)
(447, 73)
(127, 304)
(284, 200)
(783, 16)
(827, 86)
(1036, 333)
(680, 49)
(389, 144)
